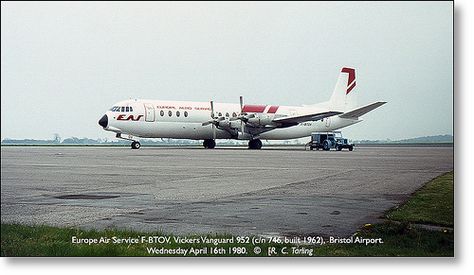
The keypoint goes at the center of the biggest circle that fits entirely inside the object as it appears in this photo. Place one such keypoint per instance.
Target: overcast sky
(64, 64)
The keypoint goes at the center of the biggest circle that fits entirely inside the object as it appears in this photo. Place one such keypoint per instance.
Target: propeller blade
(212, 109)
(241, 110)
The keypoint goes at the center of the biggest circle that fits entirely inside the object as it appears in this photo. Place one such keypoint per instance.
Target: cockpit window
(121, 109)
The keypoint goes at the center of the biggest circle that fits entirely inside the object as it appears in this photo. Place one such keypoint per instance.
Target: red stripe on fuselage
(273, 109)
(253, 108)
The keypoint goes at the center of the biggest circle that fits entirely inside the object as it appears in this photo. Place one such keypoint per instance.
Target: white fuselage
(184, 120)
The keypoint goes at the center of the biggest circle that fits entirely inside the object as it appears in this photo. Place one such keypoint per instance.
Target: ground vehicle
(328, 140)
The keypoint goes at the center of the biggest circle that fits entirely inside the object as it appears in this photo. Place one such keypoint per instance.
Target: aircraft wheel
(136, 145)
(209, 144)
(255, 144)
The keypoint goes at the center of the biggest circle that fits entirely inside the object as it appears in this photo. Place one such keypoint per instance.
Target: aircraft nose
(104, 121)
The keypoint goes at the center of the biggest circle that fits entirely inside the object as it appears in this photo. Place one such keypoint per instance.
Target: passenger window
(234, 114)
(162, 113)
(177, 113)
(131, 109)
(219, 114)
(127, 109)
(170, 113)
(123, 109)
(185, 113)
(227, 114)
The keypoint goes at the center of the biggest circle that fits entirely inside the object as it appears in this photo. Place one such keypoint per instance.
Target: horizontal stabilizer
(303, 118)
(362, 110)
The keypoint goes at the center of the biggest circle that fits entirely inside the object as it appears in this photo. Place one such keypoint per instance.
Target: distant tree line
(56, 140)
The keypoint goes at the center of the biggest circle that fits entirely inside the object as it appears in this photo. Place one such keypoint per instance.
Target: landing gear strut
(255, 144)
(209, 144)
(135, 144)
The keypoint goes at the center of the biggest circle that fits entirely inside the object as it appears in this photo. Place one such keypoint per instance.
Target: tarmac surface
(285, 191)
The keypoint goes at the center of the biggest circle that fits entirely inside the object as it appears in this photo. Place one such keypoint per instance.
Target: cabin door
(149, 112)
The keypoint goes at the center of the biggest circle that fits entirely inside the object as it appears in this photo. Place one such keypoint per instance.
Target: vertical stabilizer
(344, 97)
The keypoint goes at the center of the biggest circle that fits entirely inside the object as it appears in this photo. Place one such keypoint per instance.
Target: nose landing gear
(135, 144)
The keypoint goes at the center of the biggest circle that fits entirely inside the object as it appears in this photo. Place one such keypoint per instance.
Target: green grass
(400, 239)
(432, 204)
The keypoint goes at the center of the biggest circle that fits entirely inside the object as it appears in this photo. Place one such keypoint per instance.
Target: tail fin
(343, 98)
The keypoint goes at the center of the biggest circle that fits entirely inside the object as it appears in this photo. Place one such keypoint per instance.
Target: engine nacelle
(244, 136)
(226, 123)
(262, 119)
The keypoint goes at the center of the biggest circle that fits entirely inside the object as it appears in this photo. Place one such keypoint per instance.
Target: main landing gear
(255, 144)
(209, 144)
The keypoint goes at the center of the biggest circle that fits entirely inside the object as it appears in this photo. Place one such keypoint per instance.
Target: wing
(293, 120)
(354, 114)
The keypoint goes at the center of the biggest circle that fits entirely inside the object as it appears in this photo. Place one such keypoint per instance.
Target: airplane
(208, 121)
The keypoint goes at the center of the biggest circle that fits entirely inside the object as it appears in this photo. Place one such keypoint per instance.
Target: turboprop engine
(262, 119)
(226, 123)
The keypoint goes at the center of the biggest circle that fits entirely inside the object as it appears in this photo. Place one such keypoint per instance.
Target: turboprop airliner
(208, 121)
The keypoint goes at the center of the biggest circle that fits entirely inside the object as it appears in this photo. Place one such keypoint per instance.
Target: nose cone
(104, 121)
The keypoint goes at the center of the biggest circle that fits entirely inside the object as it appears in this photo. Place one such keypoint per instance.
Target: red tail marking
(351, 80)
(351, 87)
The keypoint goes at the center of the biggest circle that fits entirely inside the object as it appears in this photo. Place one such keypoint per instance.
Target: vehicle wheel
(326, 145)
(351, 148)
(338, 148)
(135, 145)
(310, 148)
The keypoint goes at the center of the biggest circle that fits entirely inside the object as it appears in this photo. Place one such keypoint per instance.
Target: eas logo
(130, 117)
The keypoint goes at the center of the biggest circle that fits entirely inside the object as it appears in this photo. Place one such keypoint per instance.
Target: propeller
(241, 113)
(213, 124)
(242, 116)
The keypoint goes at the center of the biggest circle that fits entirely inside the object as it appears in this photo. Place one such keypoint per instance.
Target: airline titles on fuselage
(183, 108)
